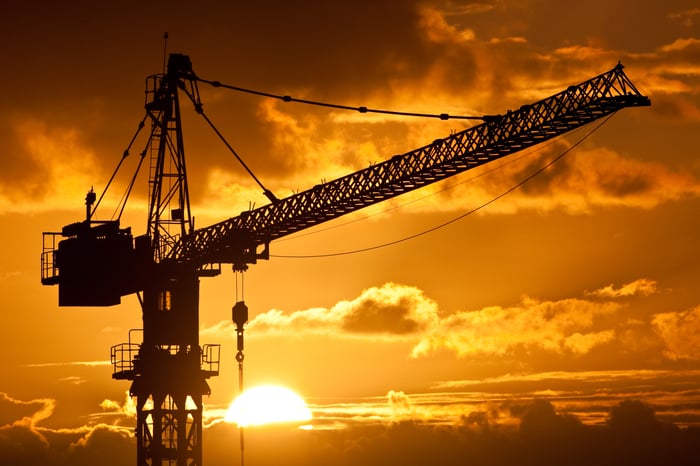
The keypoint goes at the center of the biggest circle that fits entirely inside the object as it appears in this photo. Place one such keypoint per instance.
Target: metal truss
(236, 239)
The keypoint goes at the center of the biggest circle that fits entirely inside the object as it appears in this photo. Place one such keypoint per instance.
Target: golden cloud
(680, 333)
(579, 343)
(389, 311)
(24, 441)
(59, 170)
(584, 180)
(643, 287)
(595, 377)
(685, 17)
(437, 30)
(567, 327)
(556, 326)
(26, 413)
(449, 67)
(681, 45)
(125, 409)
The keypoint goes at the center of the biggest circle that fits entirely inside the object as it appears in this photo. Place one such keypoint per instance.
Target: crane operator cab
(93, 263)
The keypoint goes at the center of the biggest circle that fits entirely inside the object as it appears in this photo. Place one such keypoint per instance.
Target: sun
(267, 404)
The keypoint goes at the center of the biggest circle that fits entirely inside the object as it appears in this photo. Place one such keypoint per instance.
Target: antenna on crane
(89, 201)
(165, 49)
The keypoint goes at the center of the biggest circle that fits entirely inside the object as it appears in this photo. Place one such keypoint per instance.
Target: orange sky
(569, 306)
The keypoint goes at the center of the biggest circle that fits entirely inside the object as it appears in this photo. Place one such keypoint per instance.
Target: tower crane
(95, 263)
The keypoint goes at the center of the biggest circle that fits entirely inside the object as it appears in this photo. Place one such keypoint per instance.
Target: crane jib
(237, 239)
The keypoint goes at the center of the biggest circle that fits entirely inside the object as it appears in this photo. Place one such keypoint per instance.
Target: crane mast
(169, 369)
(95, 263)
(169, 216)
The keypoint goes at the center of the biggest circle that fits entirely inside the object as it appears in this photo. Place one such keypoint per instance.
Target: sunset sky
(566, 313)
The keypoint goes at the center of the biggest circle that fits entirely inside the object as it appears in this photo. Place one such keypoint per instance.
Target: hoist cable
(236, 274)
(455, 219)
(239, 317)
(241, 428)
(361, 109)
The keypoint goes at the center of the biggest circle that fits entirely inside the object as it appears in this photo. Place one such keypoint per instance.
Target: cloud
(578, 377)
(44, 155)
(633, 416)
(553, 326)
(579, 343)
(587, 394)
(298, 148)
(567, 327)
(676, 108)
(308, 147)
(438, 30)
(682, 45)
(400, 405)
(530, 431)
(104, 443)
(643, 287)
(571, 327)
(73, 380)
(5, 276)
(589, 179)
(27, 413)
(582, 182)
(685, 17)
(540, 435)
(390, 311)
(680, 333)
(70, 363)
(117, 412)
(400, 428)
(25, 441)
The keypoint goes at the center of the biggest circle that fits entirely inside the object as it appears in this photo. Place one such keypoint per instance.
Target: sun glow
(267, 404)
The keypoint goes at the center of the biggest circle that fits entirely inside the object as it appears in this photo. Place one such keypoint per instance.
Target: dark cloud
(533, 433)
(104, 445)
(676, 108)
(86, 76)
(20, 446)
(12, 410)
(373, 316)
(392, 310)
(543, 437)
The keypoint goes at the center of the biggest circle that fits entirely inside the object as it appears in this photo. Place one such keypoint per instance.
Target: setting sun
(267, 404)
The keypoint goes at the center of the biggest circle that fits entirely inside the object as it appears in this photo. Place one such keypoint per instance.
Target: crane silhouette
(95, 263)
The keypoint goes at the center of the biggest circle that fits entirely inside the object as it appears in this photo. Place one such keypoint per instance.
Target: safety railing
(210, 359)
(122, 357)
(49, 271)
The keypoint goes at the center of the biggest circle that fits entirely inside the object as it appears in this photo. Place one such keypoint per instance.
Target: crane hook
(239, 315)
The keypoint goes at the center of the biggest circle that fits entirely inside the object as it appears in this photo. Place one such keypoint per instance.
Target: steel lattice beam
(497, 137)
